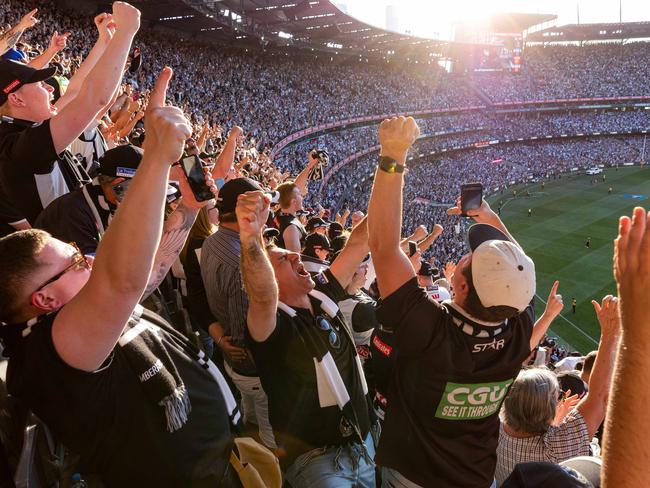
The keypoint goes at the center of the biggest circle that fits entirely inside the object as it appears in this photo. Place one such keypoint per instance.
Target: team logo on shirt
(471, 401)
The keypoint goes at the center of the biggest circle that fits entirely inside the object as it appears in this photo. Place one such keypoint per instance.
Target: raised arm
(302, 178)
(428, 241)
(257, 272)
(88, 327)
(625, 453)
(106, 29)
(102, 81)
(58, 43)
(10, 38)
(594, 404)
(227, 156)
(347, 262)
(393, 268)
(553, 308)
(484, 215)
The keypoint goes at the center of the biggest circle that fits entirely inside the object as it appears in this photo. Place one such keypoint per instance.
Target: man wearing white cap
(455, 361)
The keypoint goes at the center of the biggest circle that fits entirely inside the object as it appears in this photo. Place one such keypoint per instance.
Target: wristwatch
(389, 165)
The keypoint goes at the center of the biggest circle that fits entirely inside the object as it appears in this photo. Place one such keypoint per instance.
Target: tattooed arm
(10, 38)
(257, 273)
(175, 231)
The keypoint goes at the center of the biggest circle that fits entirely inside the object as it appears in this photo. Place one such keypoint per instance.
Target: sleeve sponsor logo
(471, 401)
(383, 348)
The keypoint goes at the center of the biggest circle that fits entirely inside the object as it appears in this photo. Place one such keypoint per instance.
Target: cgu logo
(471, 401)
(479, 396)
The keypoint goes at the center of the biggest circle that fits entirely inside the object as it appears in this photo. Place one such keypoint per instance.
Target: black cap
(336, 230)
(227, 199)
(13, 75)
(271, 233)
(315, 240)
(425, 269)
(316, 222)
(121, 161)
(548, 475)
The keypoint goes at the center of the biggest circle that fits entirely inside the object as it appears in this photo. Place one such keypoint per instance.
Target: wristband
(389, 165)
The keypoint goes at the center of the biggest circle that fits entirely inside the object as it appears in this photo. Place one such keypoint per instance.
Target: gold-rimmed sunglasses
(79, 261)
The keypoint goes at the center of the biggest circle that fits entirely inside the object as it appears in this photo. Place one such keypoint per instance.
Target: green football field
(564, 214)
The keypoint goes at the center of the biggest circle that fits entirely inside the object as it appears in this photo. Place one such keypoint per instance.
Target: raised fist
(236, 131)
(105, 26)
(167, 128)
(397, 135)
(126, 17)
(252, 213)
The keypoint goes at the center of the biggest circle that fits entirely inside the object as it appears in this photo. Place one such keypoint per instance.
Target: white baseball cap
(502, 274)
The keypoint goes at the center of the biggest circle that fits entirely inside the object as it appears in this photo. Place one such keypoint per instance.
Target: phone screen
(193, 169)
(471, 196)
(413, 248)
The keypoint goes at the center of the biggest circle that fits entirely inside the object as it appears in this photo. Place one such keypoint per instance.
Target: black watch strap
(389, 165)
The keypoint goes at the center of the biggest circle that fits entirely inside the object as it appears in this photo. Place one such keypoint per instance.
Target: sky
(434, 18)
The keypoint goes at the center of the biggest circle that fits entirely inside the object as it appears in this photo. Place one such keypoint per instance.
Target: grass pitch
(564, 214)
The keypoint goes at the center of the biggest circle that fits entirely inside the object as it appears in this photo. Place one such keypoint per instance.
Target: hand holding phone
(471, 197)
(193, 168)
(413, 248)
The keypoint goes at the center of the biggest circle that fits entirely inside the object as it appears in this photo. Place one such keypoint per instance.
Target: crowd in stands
(179, 308)
(559, 72)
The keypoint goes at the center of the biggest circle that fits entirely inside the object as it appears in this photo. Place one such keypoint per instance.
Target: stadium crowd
(179, 309)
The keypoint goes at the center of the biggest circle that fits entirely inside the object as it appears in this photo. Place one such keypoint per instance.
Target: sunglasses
(79, 261)
(333, 337)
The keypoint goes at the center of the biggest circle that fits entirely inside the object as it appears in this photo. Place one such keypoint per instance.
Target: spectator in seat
(35, 165)
(316, 253)
(306, 356)
(114, 382)
(441, 427)
(532, 430)
(292, 232)
(220, 269)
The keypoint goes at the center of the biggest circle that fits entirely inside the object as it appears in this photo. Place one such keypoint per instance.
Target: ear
(45, 300)
(15, 100)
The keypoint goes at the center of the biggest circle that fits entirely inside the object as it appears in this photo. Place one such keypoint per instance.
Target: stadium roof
(513, 22)
(592, 32)
(311, 24)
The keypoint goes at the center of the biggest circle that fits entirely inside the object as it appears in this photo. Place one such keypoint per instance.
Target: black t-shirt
(69, 218)
(8, 215)
(33, 174)
(441, 427)
(107, 418)
(286, 366)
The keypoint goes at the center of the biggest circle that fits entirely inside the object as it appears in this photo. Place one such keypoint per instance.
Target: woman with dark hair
(537, 424)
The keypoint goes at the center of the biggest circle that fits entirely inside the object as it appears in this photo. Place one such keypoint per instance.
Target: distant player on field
(588, 243)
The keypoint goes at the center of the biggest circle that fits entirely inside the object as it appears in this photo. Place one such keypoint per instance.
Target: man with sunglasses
(306, 356)
(114, 382)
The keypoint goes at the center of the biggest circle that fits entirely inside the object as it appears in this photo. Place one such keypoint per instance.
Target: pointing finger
(159, 93)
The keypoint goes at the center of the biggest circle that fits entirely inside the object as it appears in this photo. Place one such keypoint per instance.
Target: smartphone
(471, 197)
(193, 169)
(413, 248)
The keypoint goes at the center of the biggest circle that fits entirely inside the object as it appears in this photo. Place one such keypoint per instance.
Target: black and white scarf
(331, 387)
(141, 342)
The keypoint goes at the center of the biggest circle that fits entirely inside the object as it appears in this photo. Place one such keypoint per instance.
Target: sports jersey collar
(471, 325)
